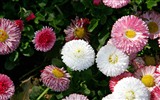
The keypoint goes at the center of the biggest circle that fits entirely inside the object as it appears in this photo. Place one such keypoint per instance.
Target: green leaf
(93, 25)
(151, 3)
(57, 62)
(14, 56)
(9, 65)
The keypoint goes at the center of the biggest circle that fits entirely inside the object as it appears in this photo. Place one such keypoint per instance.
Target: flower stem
(59, 10)
(43, 93)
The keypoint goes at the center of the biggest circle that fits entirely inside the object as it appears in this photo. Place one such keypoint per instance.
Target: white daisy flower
(111, 61)
(108, 97)
(78, 55)
(131, 88)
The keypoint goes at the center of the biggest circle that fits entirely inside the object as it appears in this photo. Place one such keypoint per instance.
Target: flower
(111, 61)
(113, 80)
(96, 2)
(7, 88)
(10, 36)
(31, 16)
(138, 63)
(77, 29)
(55, 78)
(155, 93)
(19, 23)
(76, 96)
(148, 76)
(116, 3)
(152, 19)
(108, 97)
(44, 39)
(78, 55)
(130, 34)
(131, 88)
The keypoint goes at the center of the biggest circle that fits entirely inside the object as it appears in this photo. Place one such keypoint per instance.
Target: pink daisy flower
(55, 78)
(138, 63)
(10, 36)
(31, 16)
(44, 39)
(116, 3)
(77, 29)
(148, 76)
(76, 96)
(155, 93)
(113, 80)
(130, 34)
(19, 23)
(96, 2)
(7, 88)
(152, 19)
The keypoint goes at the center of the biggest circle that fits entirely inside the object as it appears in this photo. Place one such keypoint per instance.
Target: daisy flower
(10, 36)
(31, 16)
(78, 55)
(7, 88)
(19, 23)
(116, 3)
(111, 61)
(152, 19)
(44, 39)
(55, 78)
(130, 34)
(148, 76)
(108, 97)
(138, 63)
(76, 96)
(113, 80)
(131, 88)
(155, 93)
(77, 29)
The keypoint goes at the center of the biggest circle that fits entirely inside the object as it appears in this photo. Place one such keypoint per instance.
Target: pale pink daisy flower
(7, 87)
(10, 36)
(76, 96)
(138, 62)
(55, 78)
(77, 29)
(148, 76)
(109, 97)
(113, 80)
(116, 3)
(130, 34)
(152, 19)
(44, 39)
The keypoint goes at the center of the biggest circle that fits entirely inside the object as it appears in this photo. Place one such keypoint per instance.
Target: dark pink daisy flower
(44, 39)
(31, 16)
(96, 2)
(19, 23)
(7, 88)
(55, 78)
(113, 80)
(130, 34)
(10, 36)
(75, 96)
(116, 3)
(77, 29)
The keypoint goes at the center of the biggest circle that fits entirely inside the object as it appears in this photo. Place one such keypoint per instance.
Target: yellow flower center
(113, 59)
(3, 35)
(130, 95)
(153, 27)
(148, 80)
(130, 33)
(57, 73)
(80, 32)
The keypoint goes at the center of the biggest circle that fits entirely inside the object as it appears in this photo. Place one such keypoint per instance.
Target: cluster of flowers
(129, 35)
